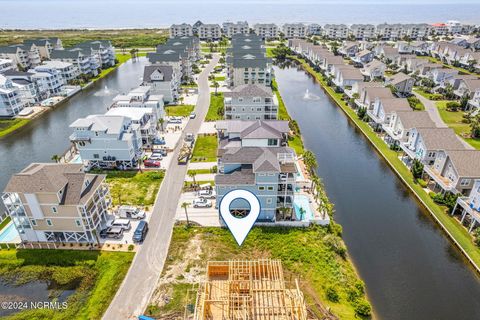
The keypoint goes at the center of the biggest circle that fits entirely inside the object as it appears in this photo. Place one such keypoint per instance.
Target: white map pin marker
(239, 227)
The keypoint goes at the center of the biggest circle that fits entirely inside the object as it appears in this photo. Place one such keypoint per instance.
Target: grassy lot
(128, 38)
(205, 149)
(199, 171)
(458, 232)
(5, 222)
(215, 111)
(134, 187)
(8, 126)
(187, 184)
(182, 110)
(95, 276)
(454, 120)
(315, 256)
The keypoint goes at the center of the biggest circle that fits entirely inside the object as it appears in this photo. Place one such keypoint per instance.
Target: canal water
(410, 269)
(48, 135)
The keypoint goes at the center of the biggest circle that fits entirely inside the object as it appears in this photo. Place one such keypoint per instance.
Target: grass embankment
(134, 187)
(8, 126)
(295, 139)
(5, 222)
(459, 234)
(182, 110)
(205, 149)
(215, 110)
(315, 256)
(454, 119)
(120, 38)
(95, 276)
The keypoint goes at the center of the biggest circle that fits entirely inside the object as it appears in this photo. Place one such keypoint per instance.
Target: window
(78, 222)
(272, 142)
(259, 109)
(257, 99)
(54, 209)
(261, 188)
(34, 222)
(96, 156)
(49, 222)
(261, 174)
(270, 188)
(465, 182)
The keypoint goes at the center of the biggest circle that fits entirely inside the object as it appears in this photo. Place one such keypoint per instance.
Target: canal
(48, 135)
(410, 269)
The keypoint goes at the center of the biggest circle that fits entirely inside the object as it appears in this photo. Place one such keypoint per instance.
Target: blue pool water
(302, 201)
(77, 159)
(300, 176)
(9, 233)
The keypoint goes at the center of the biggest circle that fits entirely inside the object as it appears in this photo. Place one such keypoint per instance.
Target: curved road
(141, 280)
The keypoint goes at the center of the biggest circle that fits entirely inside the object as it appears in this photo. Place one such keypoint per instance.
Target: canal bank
(454, 231)
(410, 269)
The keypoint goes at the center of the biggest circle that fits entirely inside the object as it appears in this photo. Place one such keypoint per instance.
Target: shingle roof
(398, 78)
(240, 125)
(440, 139)
(415, 119)
(240, 177)
(395, 104)
(260, 130)
(167, 72)
(250, 90)
(466, 162)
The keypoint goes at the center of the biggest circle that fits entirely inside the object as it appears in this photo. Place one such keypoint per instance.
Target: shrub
(417, 169)
(453, 106)
(332, 294)
(422, 183)
(476, 236)
(363, 308)
(336, 244)
(335, 228)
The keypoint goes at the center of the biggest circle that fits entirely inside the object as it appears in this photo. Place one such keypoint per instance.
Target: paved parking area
(128, 234)
(207, 217)
(201, 165)
(208, 127)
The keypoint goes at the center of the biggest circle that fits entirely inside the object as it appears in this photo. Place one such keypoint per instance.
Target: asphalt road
(142, 278)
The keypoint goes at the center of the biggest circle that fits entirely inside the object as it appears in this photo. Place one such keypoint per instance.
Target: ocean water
(54, 14)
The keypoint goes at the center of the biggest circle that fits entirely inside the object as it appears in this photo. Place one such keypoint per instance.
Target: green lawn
(9, 126)
(95, 276)
(458, 232)
(315, 256)
(134, 187)
(454, 120)
(429, 96)
(199, 171)
(205, 149)
(5, 222)
(219, 78)
(181, 110)
(269, 52)
(215, 111)
(435, 60)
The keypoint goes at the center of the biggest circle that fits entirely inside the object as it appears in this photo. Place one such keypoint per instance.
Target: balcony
(76, 137)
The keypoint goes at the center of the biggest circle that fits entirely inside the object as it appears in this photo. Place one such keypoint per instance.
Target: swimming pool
(9, 233)
(300, 176)
(77, 159)
(302, 201)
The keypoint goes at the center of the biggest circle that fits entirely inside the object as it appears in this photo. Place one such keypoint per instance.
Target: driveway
(141, 280)
(432, 110)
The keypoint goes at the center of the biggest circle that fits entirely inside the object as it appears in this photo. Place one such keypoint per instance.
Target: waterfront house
(163, 80)
(250, 69)
(424, 144)
(368, 96)
(294, 30)
(17, 54)
(383, 110)
(101, 51)
(268, 172)
(6, 65)
(10, 98)
(335, 31)
(373, 70)
(57, 202)
(470, 88)
(181, 30)
(85, 64)
(250, 102)
(107, 141)
(326, 62)
(402, 83)
(266, 31)
(231, 28)
(401, 123)
(141, 97)
(362, 31)
(174, 58)
(454, 171)
(346, 75)
(144, 117)
(470, 205)
(357, 88)
(29, 90)
(67, 70)
(48, 80)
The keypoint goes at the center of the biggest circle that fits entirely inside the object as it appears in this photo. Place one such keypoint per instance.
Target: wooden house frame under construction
(248, 290)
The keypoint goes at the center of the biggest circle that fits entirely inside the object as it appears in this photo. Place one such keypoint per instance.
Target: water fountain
(310, 96)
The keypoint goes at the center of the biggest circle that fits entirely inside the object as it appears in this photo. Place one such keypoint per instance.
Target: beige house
(53, 202)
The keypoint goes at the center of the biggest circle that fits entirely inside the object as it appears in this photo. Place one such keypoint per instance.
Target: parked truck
(186, 151)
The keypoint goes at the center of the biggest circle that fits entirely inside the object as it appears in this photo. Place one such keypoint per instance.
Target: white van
(122, 223)
(130, 212)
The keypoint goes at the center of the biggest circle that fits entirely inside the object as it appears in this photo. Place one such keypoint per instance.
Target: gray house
(250, 102)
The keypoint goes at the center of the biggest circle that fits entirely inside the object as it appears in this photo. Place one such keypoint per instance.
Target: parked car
(130, 212)
(202, 203)
(155, 156)
(140, 232)
(122, 223)
(162, 152)
(189, 137)
(151, 163)
(207, 193)
(159, 141)
(192, 115)
(112, 232)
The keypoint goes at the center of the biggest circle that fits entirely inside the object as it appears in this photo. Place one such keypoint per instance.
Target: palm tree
(185, 205)
(216, 85)
(193, 174)
(56, 158)
(302, 213)
(283, 210)
(310, 161)
(161, 121)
